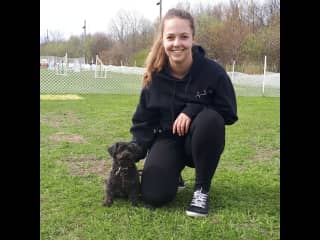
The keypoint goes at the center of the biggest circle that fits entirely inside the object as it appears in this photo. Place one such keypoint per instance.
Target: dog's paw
(134, 202)
(107, 203)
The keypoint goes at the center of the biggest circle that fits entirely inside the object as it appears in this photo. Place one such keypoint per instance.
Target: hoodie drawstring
(172, 103)
(187, 85)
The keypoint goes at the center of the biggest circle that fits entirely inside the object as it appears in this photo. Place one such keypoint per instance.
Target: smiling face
(177, 40)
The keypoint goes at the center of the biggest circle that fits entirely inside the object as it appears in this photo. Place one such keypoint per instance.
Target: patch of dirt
(265, 154)
(43, 199)
(87, 165)
(72, 118)
(67, 137)
(262, 154)
(56, 120)
(49, 122)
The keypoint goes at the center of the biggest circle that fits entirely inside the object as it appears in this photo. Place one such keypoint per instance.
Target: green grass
(85, 82)
(245, 194)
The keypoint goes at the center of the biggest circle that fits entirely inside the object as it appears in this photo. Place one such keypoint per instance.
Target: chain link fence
(256, 84)
(73, 76)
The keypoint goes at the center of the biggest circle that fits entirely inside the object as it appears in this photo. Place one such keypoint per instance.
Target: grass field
(85, 82)
(245, 194)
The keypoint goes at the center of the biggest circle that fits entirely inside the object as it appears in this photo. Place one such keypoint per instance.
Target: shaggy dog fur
(123, 180)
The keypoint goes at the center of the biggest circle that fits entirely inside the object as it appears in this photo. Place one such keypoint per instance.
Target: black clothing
(206, 85)
(200, 148)
(207, 96)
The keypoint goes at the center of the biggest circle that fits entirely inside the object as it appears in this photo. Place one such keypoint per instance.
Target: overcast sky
(67, 16)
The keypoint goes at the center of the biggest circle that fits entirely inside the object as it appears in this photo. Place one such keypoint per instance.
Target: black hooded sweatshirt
(206, 85)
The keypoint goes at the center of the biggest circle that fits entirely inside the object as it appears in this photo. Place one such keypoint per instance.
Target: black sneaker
(181, 183)
(199, 206)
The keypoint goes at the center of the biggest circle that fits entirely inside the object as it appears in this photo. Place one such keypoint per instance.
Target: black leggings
(200, 149)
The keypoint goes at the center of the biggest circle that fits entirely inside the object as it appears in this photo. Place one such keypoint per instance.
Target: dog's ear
(138, 151)
(112, 150)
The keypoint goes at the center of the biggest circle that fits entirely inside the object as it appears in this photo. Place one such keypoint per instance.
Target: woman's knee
(209, 120)
(208, 126)
(158, 186)
(211, 116)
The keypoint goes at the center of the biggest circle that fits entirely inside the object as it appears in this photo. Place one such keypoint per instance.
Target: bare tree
(145, 33)
(100, 42)
(131, 31)
(74, 47)
(218, 11)
(251, 12)
(184, 4)
(126, 23)
(56, 36)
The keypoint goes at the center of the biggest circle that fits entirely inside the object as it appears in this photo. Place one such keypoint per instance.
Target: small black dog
(123, 180)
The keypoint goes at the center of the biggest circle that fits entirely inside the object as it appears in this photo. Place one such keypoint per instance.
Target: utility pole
(160, 3)
(84, 28)
(84, 40)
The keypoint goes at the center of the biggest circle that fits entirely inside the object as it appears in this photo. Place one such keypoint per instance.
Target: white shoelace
(199, 199)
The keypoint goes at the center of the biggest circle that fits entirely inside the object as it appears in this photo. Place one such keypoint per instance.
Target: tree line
(243, 31)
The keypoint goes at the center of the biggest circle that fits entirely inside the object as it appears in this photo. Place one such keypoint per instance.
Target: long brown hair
(157, 56)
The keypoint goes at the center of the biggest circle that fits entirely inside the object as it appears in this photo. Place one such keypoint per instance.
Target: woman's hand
(181, 124)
